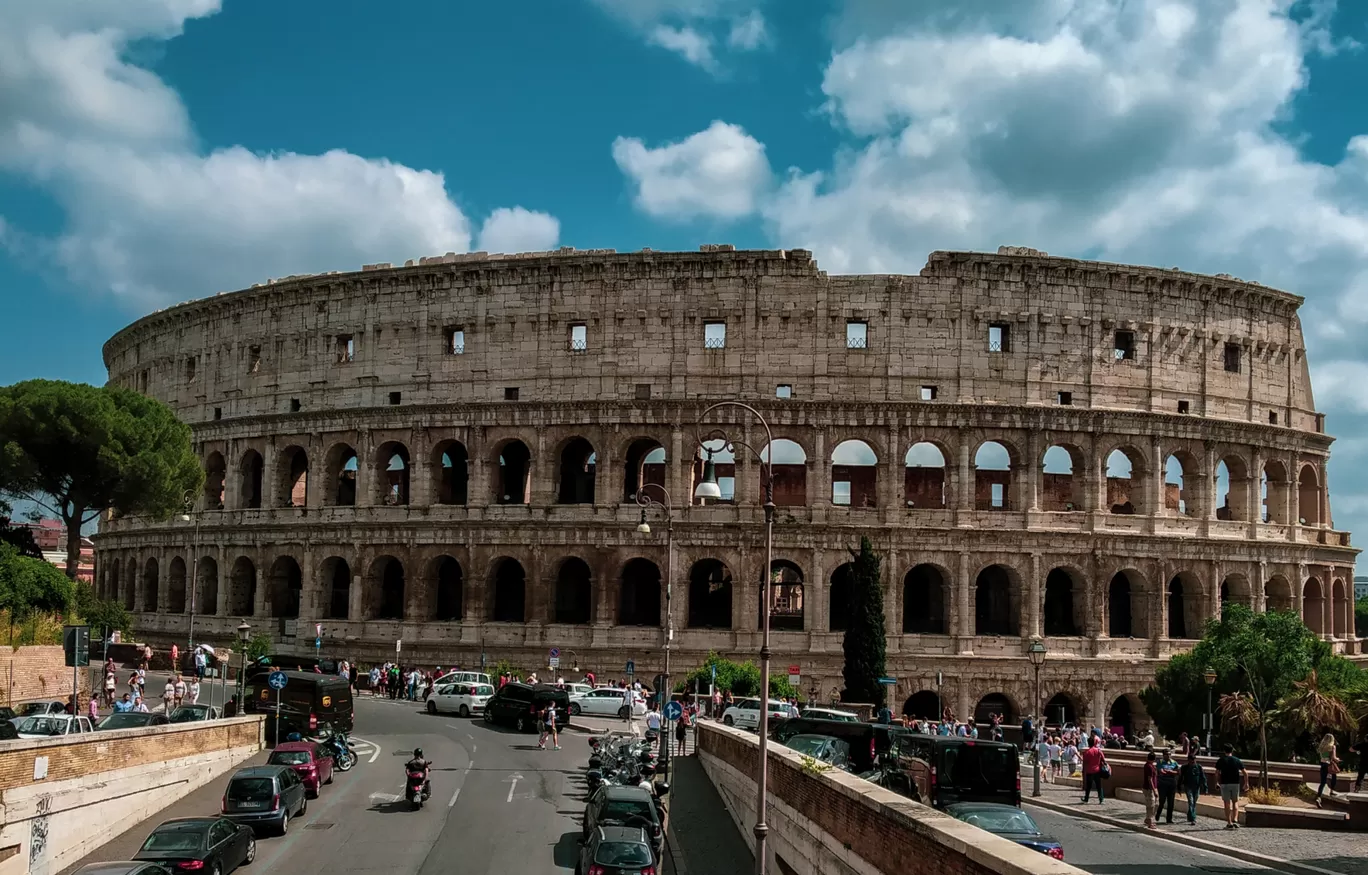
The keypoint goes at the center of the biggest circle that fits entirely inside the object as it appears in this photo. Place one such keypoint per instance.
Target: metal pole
(194, 587)
(277, 717)
(1210, 720)
(761, 793)
(667, 693)
(1040, 728)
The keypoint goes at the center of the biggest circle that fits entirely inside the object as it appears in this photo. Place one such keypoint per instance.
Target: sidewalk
(703, 837)
(1301, 851)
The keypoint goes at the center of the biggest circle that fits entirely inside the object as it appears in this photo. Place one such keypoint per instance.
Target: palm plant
(1307, 709)
(1241, 712)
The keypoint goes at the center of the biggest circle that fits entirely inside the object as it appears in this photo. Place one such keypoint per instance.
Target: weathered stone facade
(448, 454)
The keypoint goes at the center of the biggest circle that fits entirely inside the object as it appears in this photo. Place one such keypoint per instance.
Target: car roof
(295, 745)
(980, 806)
(619, 792)
(114, 867)
(259, 772)
(185, 822)
(623, 834)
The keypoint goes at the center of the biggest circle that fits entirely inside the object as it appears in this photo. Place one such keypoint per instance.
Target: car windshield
(33, 708)
(124, 720)
(251, 788)
(1003, 819)
(175, 839)
(621, 809)
(811, 745)
(289, 758)
(623, 854)
(188, 715)
(979, 767)
(43, 726)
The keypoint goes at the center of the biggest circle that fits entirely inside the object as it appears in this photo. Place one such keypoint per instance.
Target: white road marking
(452, 803)
(513, 779)
(367, 745)
(385, 797)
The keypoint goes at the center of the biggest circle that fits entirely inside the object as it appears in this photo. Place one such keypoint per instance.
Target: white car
(460, 698)
(462, 677)
(52, 726)
(746, 713)
(578, 689)
(829, 714)
(606, 702)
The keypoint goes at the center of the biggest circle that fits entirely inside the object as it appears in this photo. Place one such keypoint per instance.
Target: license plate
(251, 805)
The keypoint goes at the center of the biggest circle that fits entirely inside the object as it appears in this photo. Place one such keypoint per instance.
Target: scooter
(414, 787)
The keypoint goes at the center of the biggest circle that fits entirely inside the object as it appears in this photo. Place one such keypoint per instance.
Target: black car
(622, 850)
(265, 796)
(868, 741)
(615, 805)
(131, 720)
(1007, 821)
(121, 867)
(8, 730)
(941, 770)
(216, 844)
(521, 705)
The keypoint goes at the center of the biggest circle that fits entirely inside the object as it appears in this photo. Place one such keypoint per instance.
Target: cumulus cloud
(696, 30)
(693, 46)
(748, 33)
(515, 229)
(720, 172)
(152, 218)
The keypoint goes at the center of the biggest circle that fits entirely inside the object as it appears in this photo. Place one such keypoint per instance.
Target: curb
(1278, 863)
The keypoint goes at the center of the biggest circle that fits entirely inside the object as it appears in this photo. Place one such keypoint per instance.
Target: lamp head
(707, 486)
(1036, 652)
(244, 631)
(1209, 676)
(644, 527)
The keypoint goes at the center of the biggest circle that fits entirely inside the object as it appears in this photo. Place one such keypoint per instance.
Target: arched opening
(175, 586)
(1062, 602)
(924, 476)
(924, 602)
(513, 480)
(1058, 492)
(1123, 473)
(999, 704)
(1184, 606)
(574, 592)
(392, 470)
(151, 582)
(385, 585)
(242, 588)
(294, 477)
(923, 705)
(577, 464)
(215, 473)
(1277, 594)
(724, 470)
(1274, 491)
(710, 595)
(336, 577)
(1060, 710)
(790, 473)
(130, 584)
(786, 597)
(1308, 497)
(1313, 606)
(1126, 715)
(840, 594)
(341, 474)
(206, 587)
(1232, 489)
(1120, 597)
(645, 464)
(451, 470)
(992, 477)
(1341, 611)
(250, 475)
(997, 602)
(854, 475)
(1180, 484)
(1235, 588)
(286, 587)
(450, 582)
(509, 592)
(639, 594)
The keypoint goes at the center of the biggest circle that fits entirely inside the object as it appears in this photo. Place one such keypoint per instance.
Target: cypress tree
(864, 645)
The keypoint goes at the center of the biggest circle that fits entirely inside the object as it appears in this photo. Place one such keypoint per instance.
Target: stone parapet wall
(38, 672)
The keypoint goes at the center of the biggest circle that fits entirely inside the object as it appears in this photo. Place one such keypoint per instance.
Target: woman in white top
(194, 691)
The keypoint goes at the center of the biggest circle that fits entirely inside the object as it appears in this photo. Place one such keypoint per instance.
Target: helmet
(417, 753)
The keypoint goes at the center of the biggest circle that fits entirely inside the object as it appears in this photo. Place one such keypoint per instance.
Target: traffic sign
(795, 675)
(889, 682)
(277, 680)
(673, 710)
(631, 666)
(318, 642)
(555, 653)
(554, 661)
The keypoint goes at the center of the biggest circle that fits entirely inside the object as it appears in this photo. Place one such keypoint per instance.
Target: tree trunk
(73, 544)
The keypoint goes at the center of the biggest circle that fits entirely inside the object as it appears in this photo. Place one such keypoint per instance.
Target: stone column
(318, 472)
(1159, 605)
(310, 597)
(270, 477)
(1325, 521)
(543, 473)
(356, 596)
(892, 584)
(365, 469)
(890, 486)
(1033, 469)
(223, 578)
(1155, 487)
(608, 474)
(963, 619)
(1299, 590)
(1255, 494)
(478, 489)
(964, 477)
(263, 584)
(817, 595)
(1033, 589)
(820, 465)
(1291, 511)
(420, 468)
(677, 470)
(1259, 597)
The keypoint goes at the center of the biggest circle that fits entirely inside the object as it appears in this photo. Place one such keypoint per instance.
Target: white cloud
(748, 33)
(153, 219)
(719, 172)
(693, 29)
(693, 46)
(515, 229)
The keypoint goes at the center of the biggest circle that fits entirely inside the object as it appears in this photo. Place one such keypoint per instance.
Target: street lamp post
(645, 528)
(708, 488)
(1210, 677)
(244, 634)
(1036, 652)
(193, 570)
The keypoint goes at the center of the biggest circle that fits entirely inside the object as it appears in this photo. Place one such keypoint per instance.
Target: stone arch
(854, 474)
(1182, 474)
(639, 594)
(576, 466)
(997, 703)
(215, 476)
(450, 473)
(285, 587)
(997, 601)
(175, 586)
(1341, 611)
(448, 581)
(206, 586)
(1127, 614)
(250, 474)
(924, 602)
(1128, 714)
(293, 476)
(1232, 488)
(710, 595)
(242, 588)
(1308, 496)
(924, 480)
(995, 466)
(508, 592)
(786, 597)
(385, 585)
(1062, 708)
(574, 595)
(1123, 470)
(340, 466)
(1185, 597)
(790, 472)
(645, 461)
(1065, 603)
(392, 475)
(1277, 594)
(151, 583)
(1236, 588)
(923, 705)
(1060, 466)
(512, 473)
(840, 597)
(130, 584)
(1274, 492)
(335, 576)
(1313, 605)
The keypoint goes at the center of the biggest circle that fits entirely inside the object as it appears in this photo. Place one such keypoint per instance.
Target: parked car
(214, 845)
(578, 689)
(823, 748)
(616, 805)
(265, 796)
(520, 704)
(605, 702)
(121, 867)
(38, 709)
(131, 720)
(194, 713)
(745, 714)
(459, 698)
(621, 850)
(8, 732)
(1007, 821)
(942, 770)
(311, 762)
(53, 726)
(829, 714)
(464, 677)
(868, 741)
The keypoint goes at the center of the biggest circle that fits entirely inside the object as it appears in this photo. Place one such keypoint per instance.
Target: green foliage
(502, 667)
(102, 615)
(29, 586)
(864, 644)
(741, 678)
(1361, 617)
(19, 538)
(259, 646)
(78, 450)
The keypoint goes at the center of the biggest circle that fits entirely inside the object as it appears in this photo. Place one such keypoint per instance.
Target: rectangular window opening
(998, 496)
(455, 341)
(346, 349)
(1124, 346)
(928, 393)
(999, 337)
(643, 391)
(1232, 357)
(1320, 423)
(857, 335)
(191, 365)
(579, 338)
(144, 378)
(714, 335)
(511, 393)
(253, 359)
(294, 405)
(1064, 398)
(218, 413)
(395, 398)
(783, 390)
(1272, 417)
(1184, 406)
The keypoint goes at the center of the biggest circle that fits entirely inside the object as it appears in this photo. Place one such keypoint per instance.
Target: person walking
(549, 727)
(1232, 777)
(110, 683)
(653, 724)
(1362, 750)
(1168, 785)
(1042, 757)
(682, 730)
(168, 695)
(194, 691)
(1192, 778)
(180, 690)
(1093, 761)
(1150, 784)
(1329, 765)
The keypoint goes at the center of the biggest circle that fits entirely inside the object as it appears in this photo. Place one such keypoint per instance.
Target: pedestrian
(124, 705)
(682, 731)
(717, 705)
(194, 691)
(142, 679)
(1093, 761)
(139, 705)
(1168, 784)
(175, 657)
(180, 690)
(1362, 750)
(201, 662)
(1042, 758)
(1056, 750)
(652, 724)
(1232, 777)
(168, 695)
(110, 683)
(1329, 765)
(1192, 778)
(1150, 784)
(94, 710)
(549, 727)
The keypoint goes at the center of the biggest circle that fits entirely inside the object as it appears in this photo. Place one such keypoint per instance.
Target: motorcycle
(416, 790)
(336, 745)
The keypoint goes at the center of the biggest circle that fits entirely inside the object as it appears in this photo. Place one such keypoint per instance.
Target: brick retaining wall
(37, 671)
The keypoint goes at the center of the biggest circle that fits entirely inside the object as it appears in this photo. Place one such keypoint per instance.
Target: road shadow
(566, 851)
(400, 806)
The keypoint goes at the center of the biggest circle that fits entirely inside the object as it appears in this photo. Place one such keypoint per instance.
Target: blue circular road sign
(555, 652)
(673, 710)
(277, 680)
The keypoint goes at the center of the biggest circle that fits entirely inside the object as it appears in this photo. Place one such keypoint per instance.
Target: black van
(942, 770)
(868, 741)
(291, 662)
(308, 702)
(521, 704)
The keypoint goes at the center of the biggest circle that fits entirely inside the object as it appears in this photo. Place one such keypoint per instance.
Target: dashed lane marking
(454, 796)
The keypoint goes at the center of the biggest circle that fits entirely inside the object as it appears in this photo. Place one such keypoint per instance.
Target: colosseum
(448, 455)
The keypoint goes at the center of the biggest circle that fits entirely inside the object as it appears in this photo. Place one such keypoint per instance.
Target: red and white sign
(794, 675)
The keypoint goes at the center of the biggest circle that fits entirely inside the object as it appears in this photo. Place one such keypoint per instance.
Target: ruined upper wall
(644, 317)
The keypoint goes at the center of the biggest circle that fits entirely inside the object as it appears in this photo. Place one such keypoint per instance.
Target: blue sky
(153, 151)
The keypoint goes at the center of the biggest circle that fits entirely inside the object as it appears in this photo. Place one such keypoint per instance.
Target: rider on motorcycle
(418, 764)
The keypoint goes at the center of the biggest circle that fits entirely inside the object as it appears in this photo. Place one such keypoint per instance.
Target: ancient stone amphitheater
(448, 454)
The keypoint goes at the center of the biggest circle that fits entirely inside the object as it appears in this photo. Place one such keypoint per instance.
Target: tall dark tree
(77, 450)
(865, 645)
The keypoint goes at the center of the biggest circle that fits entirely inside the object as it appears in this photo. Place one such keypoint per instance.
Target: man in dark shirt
(1151, 785)
(1231, 775)
(1193, 780)
(1362, 750)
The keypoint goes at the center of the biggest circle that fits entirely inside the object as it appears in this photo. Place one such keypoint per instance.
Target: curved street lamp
(646, 501)
(193, 570)
(1036, 653)
(244, 633)
(1210, 677)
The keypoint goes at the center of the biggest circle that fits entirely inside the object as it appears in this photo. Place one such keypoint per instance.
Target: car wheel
(251, 851)
(218, 869)
(574, 709)
(522, 724)
(432, 707)
(465, 711)
(303, 806)
(330, 777)
(622, 712)
(489, 716)
(284, 823)
(727, 720)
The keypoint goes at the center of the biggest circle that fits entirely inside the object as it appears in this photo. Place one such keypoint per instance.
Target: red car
(315, 767)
